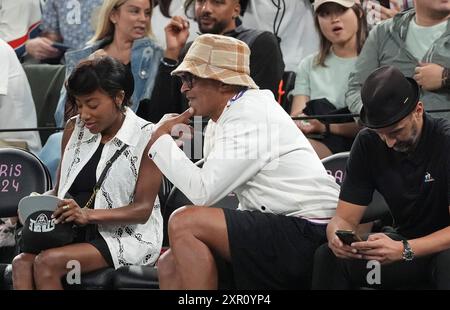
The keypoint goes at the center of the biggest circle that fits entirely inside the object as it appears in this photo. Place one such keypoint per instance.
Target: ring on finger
(66, 207)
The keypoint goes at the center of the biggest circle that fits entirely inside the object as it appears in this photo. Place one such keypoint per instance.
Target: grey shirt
(386, 46)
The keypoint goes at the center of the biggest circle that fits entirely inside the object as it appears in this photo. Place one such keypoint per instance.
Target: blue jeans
(50, 153)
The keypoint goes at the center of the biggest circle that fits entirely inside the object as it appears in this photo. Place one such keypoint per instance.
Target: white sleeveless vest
(137, 244)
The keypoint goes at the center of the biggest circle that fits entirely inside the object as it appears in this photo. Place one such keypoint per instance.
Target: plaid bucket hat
(219, 58)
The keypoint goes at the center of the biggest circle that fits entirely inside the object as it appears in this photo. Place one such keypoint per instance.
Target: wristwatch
(408, 253)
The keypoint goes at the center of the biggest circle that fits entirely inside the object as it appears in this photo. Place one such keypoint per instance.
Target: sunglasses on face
(187, 78)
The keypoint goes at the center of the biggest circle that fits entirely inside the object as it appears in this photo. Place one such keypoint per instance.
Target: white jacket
(256, 151)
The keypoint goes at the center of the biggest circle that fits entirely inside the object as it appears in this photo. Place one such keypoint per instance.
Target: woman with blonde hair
(322, 78)
(124, 33)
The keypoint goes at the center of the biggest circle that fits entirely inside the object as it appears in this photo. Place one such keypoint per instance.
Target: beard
(409, 145)
(218, 27)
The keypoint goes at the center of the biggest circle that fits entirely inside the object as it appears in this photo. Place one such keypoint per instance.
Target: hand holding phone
(60, 46)
(348, 236)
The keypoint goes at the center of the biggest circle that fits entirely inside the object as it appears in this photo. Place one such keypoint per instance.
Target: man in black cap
(404, 155)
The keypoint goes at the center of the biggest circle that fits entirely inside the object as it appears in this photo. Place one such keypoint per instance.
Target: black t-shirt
(416, 186)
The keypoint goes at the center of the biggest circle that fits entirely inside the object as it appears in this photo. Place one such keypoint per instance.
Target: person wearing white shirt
(291, 21)
(252, 148)
(16, 103)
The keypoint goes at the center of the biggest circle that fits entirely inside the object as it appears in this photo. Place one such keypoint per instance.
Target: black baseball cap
(40, 232)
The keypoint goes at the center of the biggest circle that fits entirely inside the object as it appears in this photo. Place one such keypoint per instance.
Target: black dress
(81, 190)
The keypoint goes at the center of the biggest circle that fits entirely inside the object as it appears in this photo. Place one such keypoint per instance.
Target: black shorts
(269, 251)
(89, 234)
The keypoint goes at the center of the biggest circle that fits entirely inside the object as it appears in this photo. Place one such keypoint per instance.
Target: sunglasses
(187, 78)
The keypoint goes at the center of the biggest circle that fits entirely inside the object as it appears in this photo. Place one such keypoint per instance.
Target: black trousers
(429, 272)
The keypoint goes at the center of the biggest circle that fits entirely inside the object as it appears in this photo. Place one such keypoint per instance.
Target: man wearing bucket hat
(404, 155)
(215, 17)
(253, 149)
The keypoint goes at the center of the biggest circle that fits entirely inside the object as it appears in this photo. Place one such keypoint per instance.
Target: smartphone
(385, 3)
(62, 47)
(348, 236)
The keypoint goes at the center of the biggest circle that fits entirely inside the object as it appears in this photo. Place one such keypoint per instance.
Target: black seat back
(21, 173)
(286, 85)
(377, 209)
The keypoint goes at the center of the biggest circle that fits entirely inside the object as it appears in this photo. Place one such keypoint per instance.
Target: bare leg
(194, 232)
(321, 149)
(22, 271)
(51, 265)
(167, 272)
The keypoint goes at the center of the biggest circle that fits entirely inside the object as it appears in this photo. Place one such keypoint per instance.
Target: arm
(431, 244)
(386, 250)
(347, 217)
(368, 60)
(349, 130)
(266, 62)
(431, 76)
(147, 187)
(230, 164)
(298, 104)
(41, 47)
(138, 212)
(166, 96)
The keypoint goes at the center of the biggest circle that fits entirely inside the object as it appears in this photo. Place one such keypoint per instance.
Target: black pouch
(324, 107)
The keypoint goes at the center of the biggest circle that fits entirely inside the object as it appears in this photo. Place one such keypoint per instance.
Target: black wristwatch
(408, 253)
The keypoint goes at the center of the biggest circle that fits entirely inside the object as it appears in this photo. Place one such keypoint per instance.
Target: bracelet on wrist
(327, 129)
(170, 63)
(446, 78)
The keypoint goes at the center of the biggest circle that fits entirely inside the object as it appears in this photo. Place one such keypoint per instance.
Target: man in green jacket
(417, 42)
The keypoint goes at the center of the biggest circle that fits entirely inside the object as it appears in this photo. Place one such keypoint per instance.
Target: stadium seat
(45, 83)
(377, 209)
(284, 88)
(21, 173)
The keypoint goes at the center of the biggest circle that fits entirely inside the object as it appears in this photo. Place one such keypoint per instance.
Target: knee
(323, 255)
(47, 264)
(22, 263)
(166, 265)
(181, 221)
